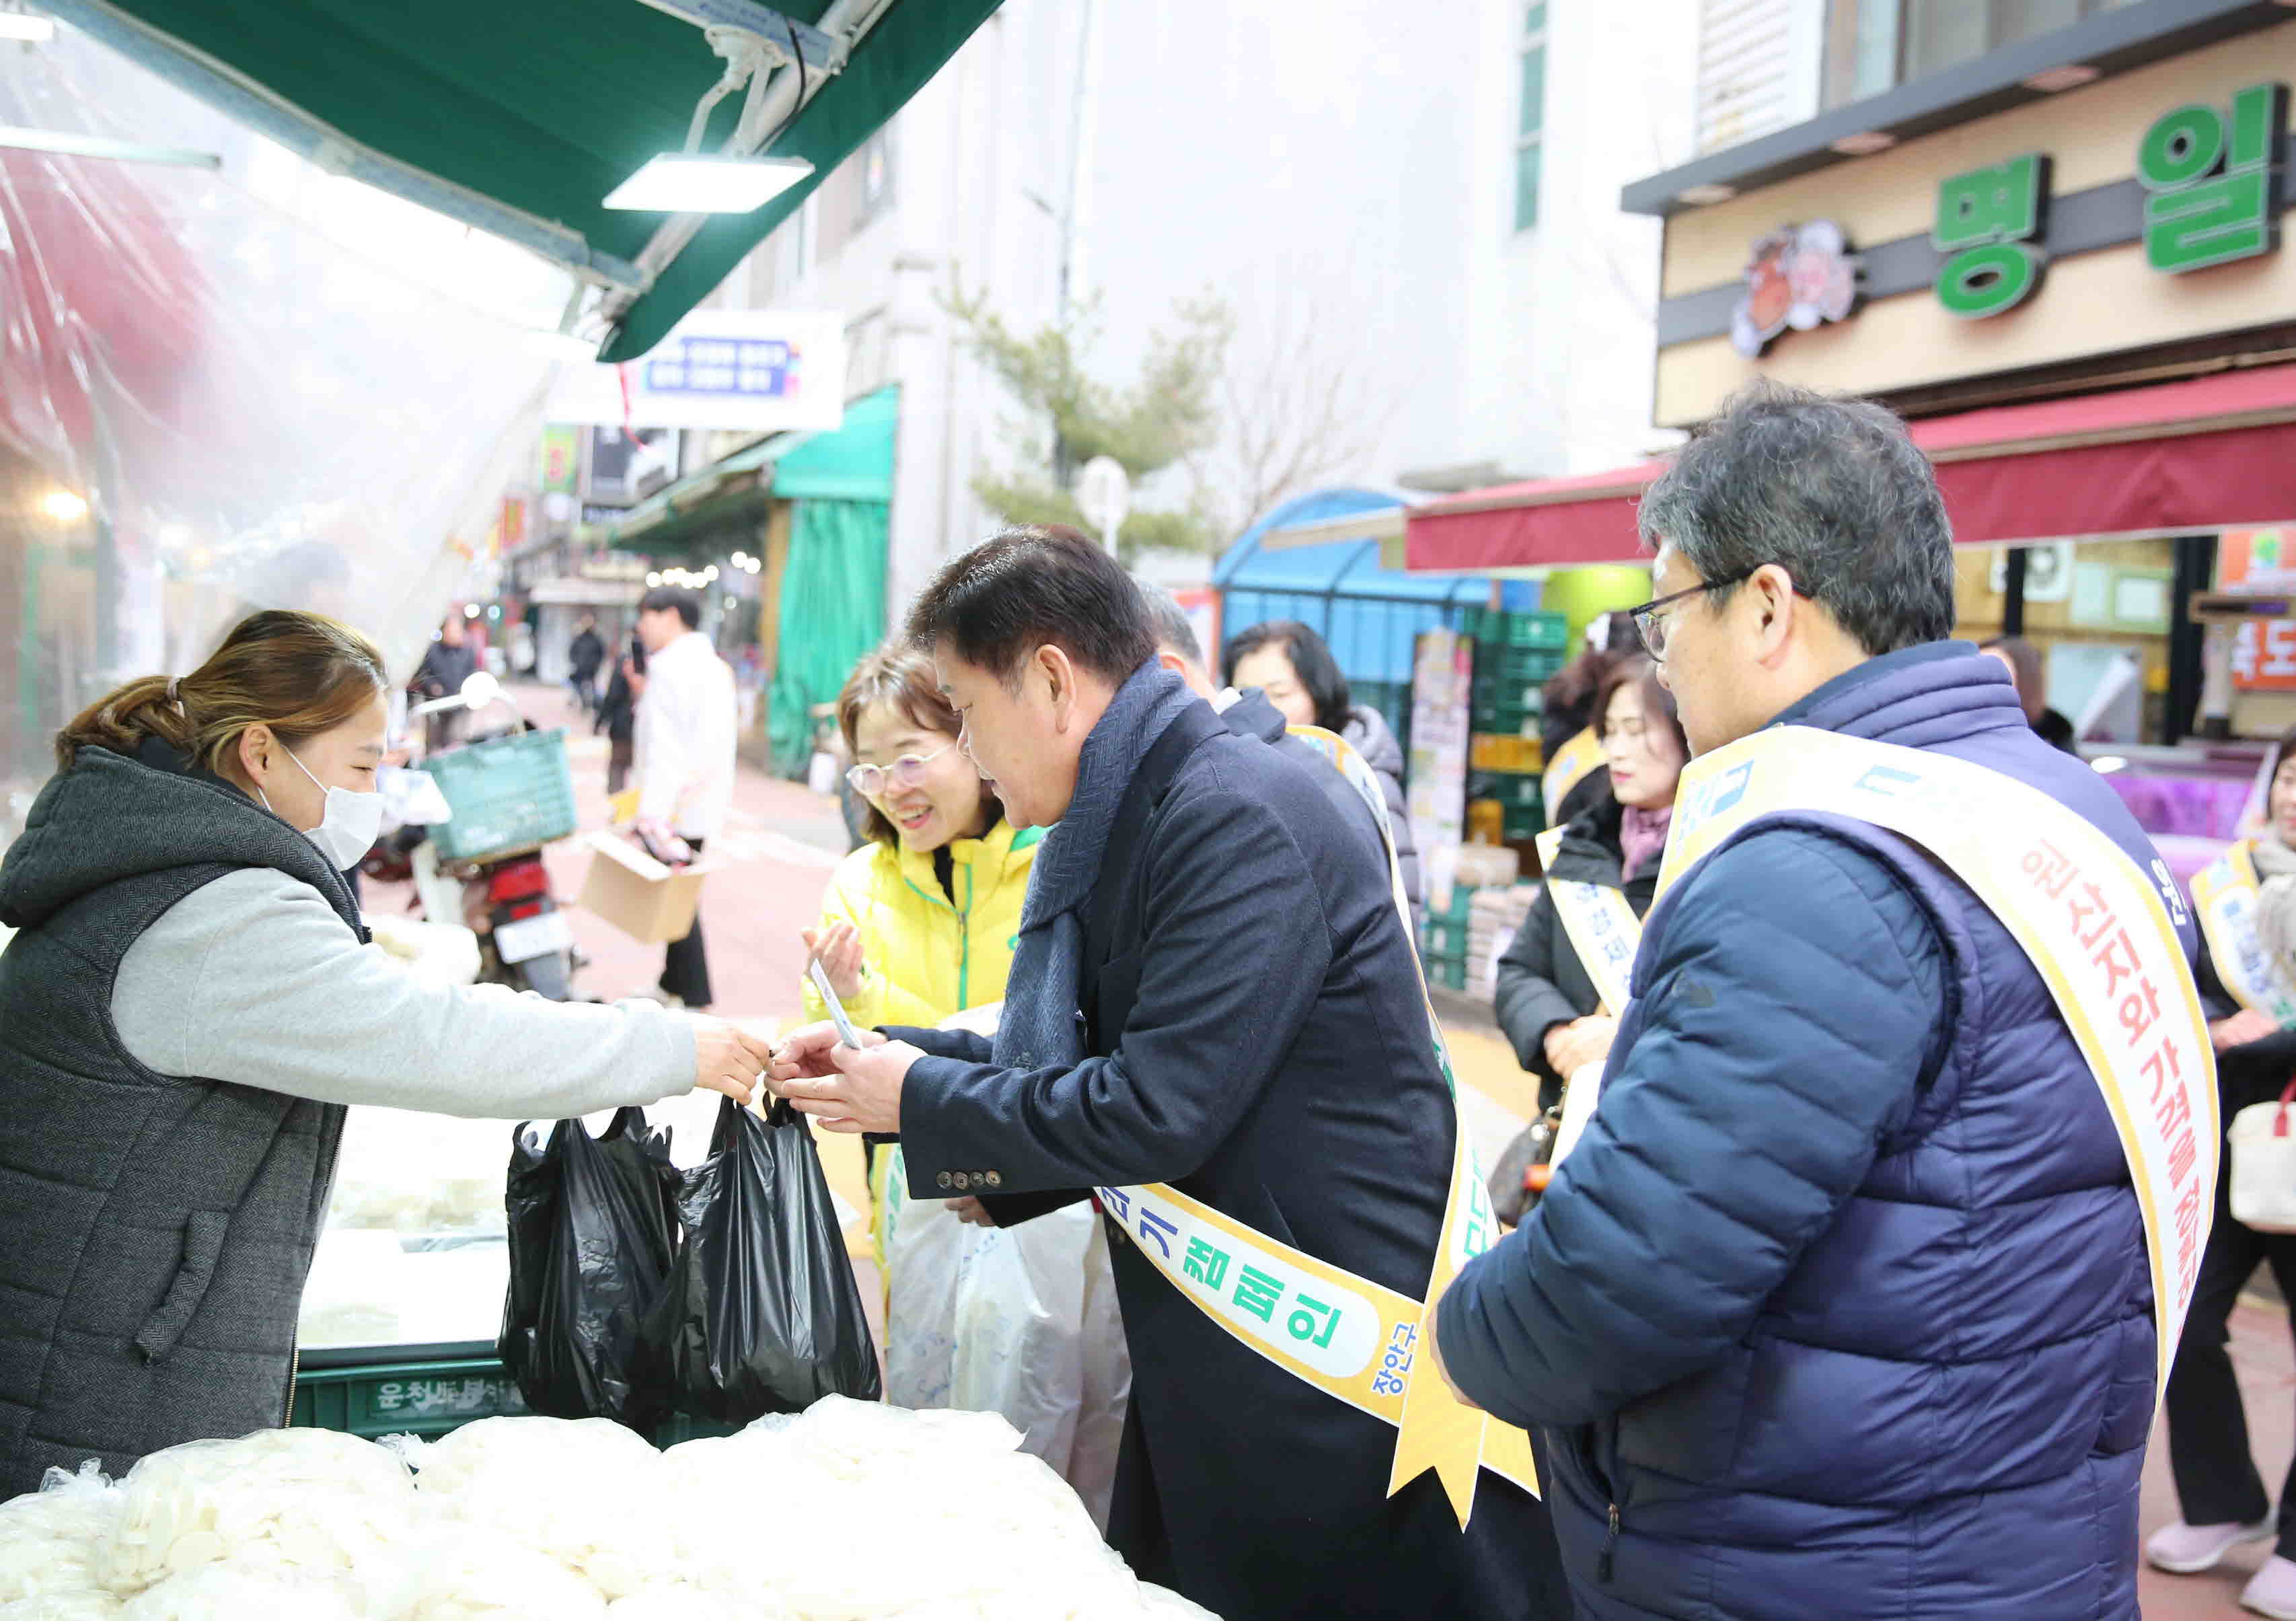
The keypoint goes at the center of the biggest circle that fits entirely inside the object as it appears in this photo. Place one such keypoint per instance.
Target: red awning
(2208, 453)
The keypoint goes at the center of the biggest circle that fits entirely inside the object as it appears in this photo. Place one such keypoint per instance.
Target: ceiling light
(1865, 145)
(699, 183)
(2107, 764)
(470, 610)
(653, 579)
(63, 506)
(740, 560)
(1698, 196)
(17, 25)
(2068, 78)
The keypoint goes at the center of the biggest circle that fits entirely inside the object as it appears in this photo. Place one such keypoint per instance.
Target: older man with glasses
(1844, 1306)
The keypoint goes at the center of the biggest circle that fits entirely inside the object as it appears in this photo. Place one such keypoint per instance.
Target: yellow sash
(1602, 928)
(1572, 763)
(2096, 925)
(1349, 1337)
(2225, 895)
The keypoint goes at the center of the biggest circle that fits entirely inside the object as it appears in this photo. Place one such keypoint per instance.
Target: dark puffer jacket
(1541, 982)
(1841, 1308)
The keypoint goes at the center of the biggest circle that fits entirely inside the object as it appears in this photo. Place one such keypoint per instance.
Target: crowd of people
(1854, 1295)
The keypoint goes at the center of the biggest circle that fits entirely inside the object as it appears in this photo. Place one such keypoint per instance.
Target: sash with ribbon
(2097, 926)
(1602, 928)
(2225, 895)
(1569, 767)
(1354, 1340)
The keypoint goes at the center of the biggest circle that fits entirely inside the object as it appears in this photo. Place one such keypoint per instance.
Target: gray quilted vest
(157, 1228)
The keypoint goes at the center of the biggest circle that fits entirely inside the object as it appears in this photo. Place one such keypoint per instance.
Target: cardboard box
(636, 893)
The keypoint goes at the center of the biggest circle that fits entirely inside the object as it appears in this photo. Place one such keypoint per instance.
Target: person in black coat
(617, 714)
(585, 655)
(1213, 989)
(2025, 673)
(1545, 998)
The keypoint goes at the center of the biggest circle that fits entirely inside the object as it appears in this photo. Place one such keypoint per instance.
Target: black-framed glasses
(1650, 625)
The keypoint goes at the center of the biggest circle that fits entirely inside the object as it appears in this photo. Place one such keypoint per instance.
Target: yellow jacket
(927, 958)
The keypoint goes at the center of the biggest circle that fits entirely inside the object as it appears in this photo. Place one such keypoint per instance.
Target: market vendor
(1213, 1010)
(187, 1007)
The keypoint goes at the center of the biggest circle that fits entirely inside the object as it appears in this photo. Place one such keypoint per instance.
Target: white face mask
(347, 829)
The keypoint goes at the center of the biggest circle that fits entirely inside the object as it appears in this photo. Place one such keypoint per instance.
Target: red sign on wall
(2264, 655)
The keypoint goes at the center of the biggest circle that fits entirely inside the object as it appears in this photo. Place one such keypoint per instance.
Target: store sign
(1801, 276)
(746, 371)
(2264, 655)
(562, 459)
(2217, 182)
(1990, 226)
(2257, 559)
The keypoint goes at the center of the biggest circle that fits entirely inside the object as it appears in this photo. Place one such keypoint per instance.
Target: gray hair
(1170, 620)
(1833, 491)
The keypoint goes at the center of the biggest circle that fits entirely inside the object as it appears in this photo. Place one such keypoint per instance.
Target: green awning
(518, 116)
(852, 464)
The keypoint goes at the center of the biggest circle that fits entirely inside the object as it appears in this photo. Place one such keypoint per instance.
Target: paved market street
(783, 843)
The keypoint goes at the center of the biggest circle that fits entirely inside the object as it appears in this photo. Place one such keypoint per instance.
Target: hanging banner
(736, 370)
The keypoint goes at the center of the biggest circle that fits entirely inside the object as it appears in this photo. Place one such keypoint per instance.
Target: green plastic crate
(1521, 665)
(1551, 632)
(417, 1398)
(1443, 940)
(506, 794)
(1452, 975)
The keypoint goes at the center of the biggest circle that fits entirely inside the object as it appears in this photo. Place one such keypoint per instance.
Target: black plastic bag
(593, 1225)
(762, 1314)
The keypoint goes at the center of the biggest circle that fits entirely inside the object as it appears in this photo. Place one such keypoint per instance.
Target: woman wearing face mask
(187, 1007)
(1545, 999)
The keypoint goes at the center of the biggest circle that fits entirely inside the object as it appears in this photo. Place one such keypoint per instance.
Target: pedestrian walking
(2025, 669)
(1294, 669)
(2247, 904)
(618, 714)
(1213, 988)
(1845, 1305)
(185, 1009)
(1550, 994)
(586, 655)
(685, 740)
(446, 663)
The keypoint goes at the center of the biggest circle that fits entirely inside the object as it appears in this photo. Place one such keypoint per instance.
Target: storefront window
(1875, 44)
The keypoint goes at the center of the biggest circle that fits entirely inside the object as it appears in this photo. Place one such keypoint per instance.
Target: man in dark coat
(586, 655)
(1841, 1306)
(1222, 998)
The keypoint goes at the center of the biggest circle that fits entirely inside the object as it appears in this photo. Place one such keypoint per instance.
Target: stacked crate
(1443, 939)
(1515, 655)
(1493, 917)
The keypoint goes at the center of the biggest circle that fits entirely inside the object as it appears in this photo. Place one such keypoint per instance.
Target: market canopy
(518, 116)
(2205, 453)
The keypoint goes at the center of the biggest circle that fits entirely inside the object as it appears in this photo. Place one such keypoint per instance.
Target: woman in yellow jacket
(920, 923)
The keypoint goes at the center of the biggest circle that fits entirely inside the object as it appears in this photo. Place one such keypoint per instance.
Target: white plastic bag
(232, 1592)
(312, 1498)
(2263, 1149)
(1019, 1321)
(464, 1574)
(49, 1538)
(63, 1607)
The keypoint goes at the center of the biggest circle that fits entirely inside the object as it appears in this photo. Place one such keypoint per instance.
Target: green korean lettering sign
(2214, 181)
(1989, 223)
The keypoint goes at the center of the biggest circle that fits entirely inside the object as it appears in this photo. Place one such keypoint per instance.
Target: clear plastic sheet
(222, 389)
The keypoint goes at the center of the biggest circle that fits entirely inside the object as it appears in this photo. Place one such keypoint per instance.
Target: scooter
(506, 899)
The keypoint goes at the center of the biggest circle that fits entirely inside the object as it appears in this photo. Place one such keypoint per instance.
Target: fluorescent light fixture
(21, 25)
(2072, 77)
(96, 147)
(63, 506)
(561, 346)
(701, 183)
(1865, 145)
(1698, 196)
(654, 577)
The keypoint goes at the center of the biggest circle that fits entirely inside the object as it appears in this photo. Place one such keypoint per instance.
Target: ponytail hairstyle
(299, 674)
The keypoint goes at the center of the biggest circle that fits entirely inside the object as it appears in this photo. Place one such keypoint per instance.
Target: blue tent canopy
(1368, 615)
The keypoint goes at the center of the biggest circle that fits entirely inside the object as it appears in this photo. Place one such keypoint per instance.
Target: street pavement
(779, 847)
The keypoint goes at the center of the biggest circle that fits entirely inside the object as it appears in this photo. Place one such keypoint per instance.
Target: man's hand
(1428, 1349)
(1571, 1047)
(839, 947)
(803, 1054)
(972, 1212)
(728, 1059)
(863, 1090)
(2245, 1026)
